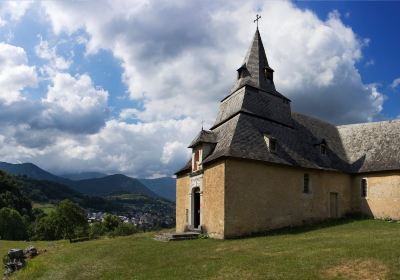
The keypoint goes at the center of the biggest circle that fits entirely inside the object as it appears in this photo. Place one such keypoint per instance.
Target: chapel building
(262, 166)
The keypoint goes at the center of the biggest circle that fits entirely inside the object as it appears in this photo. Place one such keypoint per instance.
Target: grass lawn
(363, 249)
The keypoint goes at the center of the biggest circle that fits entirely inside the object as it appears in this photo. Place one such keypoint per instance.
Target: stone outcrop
(16, 259)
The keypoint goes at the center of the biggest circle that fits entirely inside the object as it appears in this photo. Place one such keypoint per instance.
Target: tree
(71, 219)
(11, 195)
(111, 222)
(46, 228)
(12, 226)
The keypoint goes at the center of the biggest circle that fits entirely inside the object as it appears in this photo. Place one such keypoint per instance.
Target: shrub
(124, 229)
(96, 230)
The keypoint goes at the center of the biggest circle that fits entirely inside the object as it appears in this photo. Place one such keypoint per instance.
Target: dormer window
(272, 143)
(269, 74)
(196, 160)
(242, 72)
(323, 147)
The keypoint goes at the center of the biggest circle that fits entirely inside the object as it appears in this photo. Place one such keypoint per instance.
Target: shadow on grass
(306, 227)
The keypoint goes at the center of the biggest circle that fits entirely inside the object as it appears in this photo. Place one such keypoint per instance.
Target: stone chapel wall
(211, 200)
(182, 201)
(383, 196)
(261, 196)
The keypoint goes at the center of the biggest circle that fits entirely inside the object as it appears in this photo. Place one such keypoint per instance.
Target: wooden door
(196, 220)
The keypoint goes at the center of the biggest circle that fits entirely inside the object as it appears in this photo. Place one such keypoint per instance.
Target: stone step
(177, 236)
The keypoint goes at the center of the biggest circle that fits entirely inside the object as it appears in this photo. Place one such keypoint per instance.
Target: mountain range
(93, 183)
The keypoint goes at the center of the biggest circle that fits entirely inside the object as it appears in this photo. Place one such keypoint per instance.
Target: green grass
(363, 249)
(46, 207)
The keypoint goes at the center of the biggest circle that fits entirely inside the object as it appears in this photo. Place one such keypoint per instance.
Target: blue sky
(123, 86)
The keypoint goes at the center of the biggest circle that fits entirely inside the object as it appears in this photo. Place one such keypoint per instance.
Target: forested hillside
(11, 195)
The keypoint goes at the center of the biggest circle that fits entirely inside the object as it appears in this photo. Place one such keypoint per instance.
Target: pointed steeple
(255, 70)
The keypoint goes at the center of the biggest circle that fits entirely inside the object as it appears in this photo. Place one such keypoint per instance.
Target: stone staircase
(177, 236)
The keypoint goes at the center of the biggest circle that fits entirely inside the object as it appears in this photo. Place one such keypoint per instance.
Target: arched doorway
(196, 207)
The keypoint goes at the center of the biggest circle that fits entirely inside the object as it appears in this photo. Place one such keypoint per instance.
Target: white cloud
(129, 114)
(134, 149)
(179, 60)
(174, 151)
(15, 73)
(13, 10)
(182, 67)
(74, 104)
(55, 62)
(395, 83)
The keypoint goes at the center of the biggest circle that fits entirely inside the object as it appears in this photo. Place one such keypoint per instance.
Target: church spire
(255, 70)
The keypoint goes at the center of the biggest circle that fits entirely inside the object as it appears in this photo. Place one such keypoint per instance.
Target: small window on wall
(364, 187)
(187, 216)
(306, 183)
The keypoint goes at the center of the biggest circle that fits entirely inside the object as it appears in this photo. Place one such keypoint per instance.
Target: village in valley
(144, 219)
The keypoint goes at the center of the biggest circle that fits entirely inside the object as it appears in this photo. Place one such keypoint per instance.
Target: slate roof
(204, 136)
(373, 146)
(249, 114)
(257, 102)
(253, 66)
(243, 137)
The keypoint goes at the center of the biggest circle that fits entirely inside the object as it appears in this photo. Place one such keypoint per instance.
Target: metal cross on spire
(257, 18)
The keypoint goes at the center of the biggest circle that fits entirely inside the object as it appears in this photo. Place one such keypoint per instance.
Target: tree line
(19, 221)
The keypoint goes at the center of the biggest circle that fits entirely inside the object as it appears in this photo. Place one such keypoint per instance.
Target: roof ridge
(369, 123)
(313, 118)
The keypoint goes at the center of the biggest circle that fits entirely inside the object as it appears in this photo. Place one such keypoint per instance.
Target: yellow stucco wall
(213, 200)
(262, 196)
(240, 197)
(383, 200)
(182, 202)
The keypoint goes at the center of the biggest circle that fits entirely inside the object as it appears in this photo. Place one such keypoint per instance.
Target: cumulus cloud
(74, 104)
(13, 10)
(55, 62)
(395, 83)
(179, 60)
(15, 73)
(133, 149)
(189, 65)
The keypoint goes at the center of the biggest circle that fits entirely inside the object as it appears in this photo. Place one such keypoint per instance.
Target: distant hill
(32, 171)
(83, 175)
(164, 187)
(111, 184)
(95, 183)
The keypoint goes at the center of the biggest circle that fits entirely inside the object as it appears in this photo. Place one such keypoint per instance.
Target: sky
(122, 86)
